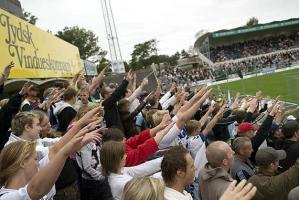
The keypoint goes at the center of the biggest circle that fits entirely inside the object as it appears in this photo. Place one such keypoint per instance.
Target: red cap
(246, 126)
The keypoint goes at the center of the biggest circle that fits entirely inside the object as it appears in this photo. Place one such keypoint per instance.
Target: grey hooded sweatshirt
(213, 182)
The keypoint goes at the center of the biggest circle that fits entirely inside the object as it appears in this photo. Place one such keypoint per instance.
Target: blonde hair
(12, 156)
(191, 126)
(145, 188)
(158, 116)
(20, 120)
(149, 117)
(85, 109)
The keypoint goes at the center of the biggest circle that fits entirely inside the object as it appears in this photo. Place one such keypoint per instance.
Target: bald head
(219, 153)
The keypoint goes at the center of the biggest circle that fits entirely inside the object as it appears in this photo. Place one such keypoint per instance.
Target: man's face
(249, 134)
(33, 131)
(247, 149)
(230, 156)
(190, 170)
(84, 97)
(108, 91)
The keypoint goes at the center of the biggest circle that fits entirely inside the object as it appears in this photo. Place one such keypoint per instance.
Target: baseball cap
(291, 117)
(274, 127)
(267, 155)
(246, 126)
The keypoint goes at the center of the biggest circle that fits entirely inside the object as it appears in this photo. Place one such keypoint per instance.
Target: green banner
(256, 28)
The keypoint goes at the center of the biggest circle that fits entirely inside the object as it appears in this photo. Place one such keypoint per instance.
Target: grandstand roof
(244, 33)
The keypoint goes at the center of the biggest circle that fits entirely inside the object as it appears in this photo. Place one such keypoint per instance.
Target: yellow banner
(36, 53)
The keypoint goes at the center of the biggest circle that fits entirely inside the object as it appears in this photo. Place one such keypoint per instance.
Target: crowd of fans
(102, 141)
(256, 64)
(184, 77)
(254, 47)
(188, 77)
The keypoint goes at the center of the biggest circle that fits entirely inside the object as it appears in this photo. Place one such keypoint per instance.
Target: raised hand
(83, 137)
(173, 87)
(239, 192)
(159, 136)
(25, 89)
(7, 69)
(129, 76)
(144, 83)
(253, 105)
(90, 116)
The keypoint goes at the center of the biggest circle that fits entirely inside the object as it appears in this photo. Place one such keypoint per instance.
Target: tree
(142, 52)
(103, 63)
(85, 40)
(29, 17)
(252, 21)
(185, 54)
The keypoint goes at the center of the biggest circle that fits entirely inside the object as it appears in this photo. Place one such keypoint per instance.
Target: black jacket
(261, 135)
(6, 115)
(128, 120)
(111, 115)
(292, 150)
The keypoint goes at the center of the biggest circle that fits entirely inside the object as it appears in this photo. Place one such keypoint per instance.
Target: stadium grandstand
(250, 48)
(237, 52)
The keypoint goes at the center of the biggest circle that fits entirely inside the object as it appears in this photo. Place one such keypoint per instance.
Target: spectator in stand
(113, 159)
(128, 118)
(8, 111)
(254, 47)
(291, 145)
(178, 172)
(31, 101)
(140, 147)
(247, 129)
(83, 99)
(94, 185)
(214, 177)
(25, 126)
(242, 168)
(145, 188)
(46, 130)
(111, 97)
(19, 173)
(64, 110)
(269, 185)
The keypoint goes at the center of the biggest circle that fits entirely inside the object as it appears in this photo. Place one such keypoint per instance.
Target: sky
(174, 23)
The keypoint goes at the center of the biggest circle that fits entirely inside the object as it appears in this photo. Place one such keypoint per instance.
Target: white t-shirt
(41, 150)
(22, 194)
(117, 182)
(171, 194)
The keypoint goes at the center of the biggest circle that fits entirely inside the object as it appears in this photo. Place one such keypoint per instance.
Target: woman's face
(30, 166)
(45, 125)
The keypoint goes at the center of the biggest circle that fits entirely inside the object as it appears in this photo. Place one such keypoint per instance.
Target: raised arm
(214, 120)
(138, 91)
(7, 112)
(43, 181)
(90, 119)
(204, 118)
(97, 81)
(186, 115)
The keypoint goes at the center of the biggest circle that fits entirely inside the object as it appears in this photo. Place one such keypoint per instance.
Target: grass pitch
(285, 84)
